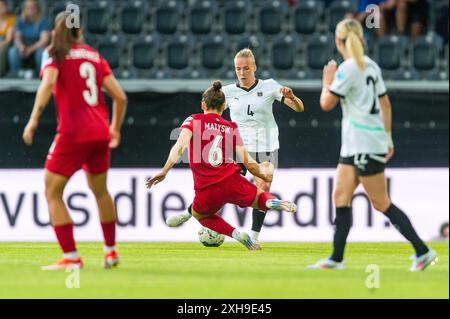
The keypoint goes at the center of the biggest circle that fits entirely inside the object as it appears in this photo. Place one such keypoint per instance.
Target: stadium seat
(144, 52)
(337, 10)
(168, 16)
(425, 52)
(61, 6)
(236, 16)
(111, 49)
(133, 15)
(254, 42)
(440, 18)
(319, 51)
(178, 52)
(99, 16)
(390, 52)
(202, 16)
(307, 14)
(271, 16)
(213, 52)
(284, 50)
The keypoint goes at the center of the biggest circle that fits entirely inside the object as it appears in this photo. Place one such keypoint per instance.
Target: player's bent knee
(381, 205)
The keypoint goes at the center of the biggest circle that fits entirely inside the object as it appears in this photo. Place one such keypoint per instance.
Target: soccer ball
(210, 238)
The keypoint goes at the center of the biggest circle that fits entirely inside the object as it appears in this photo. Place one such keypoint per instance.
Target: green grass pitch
(189, 270)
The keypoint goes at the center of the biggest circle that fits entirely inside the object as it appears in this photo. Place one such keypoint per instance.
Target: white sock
(254, 235)
(186, 214)
(108, 249)
(236, 234)
(71, 255)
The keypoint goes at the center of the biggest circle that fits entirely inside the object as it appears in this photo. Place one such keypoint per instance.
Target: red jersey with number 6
(212, 148)
(81, 108)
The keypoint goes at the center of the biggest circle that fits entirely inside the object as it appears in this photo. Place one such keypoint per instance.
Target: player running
(212, 142)
(366, 142)
(251, 106)
(76, 73)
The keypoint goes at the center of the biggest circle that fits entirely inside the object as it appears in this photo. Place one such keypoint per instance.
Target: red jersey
(82, 112)
(212, 148)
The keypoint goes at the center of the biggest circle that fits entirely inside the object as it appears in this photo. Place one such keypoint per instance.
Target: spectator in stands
(412, 14)
(31, 36)
(7, 22)
(385, 12)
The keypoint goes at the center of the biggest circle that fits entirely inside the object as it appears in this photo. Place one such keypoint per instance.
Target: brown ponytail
(63, 39)
(214, 97)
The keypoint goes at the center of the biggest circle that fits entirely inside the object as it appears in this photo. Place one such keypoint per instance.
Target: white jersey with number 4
(252, 110)
(362, 126)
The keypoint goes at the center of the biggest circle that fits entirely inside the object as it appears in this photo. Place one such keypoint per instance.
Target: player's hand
(115, 138)
(390, 154)
(28, 132)
(329, 72)
(287, 93)
(158, 178)
(266, 170)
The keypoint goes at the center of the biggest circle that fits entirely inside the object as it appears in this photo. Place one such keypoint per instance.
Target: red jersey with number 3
(81, 108)
(212, 148)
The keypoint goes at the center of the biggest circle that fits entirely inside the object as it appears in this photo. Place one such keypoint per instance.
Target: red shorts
(234, 189)
(66, 157)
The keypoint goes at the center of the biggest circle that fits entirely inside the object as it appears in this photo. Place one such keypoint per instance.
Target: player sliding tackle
(212, 142)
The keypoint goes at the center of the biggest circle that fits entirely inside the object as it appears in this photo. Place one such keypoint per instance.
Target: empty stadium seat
(337, 10)
(271, 16)
(202, 16)
(133, 15)
(111, 49)
(307, 14)
(167, 16)
(236, 16)
(284, 50)
(425, 52)
(178, 52)
(319, 51)
(254, 42)
(144, 52)
(61, 6)
(99, 16)
(213, 52)
(390, 51)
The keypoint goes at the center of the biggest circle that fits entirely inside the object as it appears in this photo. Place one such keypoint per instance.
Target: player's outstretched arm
(43, 96)
(386, 115)
(291, 100)
(119, 108)
(175, 153)
(263, 170)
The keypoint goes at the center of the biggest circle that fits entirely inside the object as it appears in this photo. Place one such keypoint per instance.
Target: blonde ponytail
(355, 49)
(351, 32)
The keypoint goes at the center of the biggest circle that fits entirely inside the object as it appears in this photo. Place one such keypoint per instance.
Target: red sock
(218, 224)
(263, 198)
(109, 233)
(64, 234)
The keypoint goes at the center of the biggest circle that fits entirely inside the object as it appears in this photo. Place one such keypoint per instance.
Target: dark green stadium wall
(309, 139)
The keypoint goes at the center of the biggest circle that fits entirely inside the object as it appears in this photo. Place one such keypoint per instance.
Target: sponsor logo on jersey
(260, 94)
